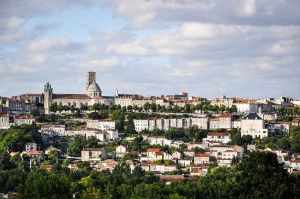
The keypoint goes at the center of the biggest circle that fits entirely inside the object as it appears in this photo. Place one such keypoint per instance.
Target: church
(93, 95)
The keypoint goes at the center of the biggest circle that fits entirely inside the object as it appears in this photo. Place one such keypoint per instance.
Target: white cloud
(247, 8)
(47, 44)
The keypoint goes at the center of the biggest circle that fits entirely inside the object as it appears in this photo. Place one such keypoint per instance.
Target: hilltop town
(172, 138)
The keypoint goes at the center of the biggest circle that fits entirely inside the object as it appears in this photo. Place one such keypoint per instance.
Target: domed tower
(48, 96)
(92, 88)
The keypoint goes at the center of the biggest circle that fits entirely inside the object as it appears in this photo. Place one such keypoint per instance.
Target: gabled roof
(252, 116)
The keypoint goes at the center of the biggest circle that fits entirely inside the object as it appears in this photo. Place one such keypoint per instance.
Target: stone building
(93, 95)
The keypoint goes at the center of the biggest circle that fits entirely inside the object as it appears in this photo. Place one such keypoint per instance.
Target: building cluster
(7, 120)
(103, 130)
(25, 103)
(251, 124)
(254, 117)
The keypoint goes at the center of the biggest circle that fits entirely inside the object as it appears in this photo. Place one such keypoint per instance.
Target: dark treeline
(259, 175)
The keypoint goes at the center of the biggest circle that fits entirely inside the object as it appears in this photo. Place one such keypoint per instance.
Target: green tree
(43, 185)
(75, 146)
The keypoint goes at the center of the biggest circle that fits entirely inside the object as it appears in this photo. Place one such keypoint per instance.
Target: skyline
(248, 49)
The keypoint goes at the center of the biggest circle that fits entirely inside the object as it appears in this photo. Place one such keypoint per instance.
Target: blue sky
(246, 48)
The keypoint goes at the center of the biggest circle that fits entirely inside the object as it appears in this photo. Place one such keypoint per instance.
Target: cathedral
(93, 95)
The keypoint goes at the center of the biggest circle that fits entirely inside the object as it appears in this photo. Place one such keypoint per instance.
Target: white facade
(101, 124)
(141, 125)
(221, 122)
(253, 125)
(217, 137)
(202, 123)
(4, 122)
(246, 107)
(19, 120)
(54, 130)
(166, 124)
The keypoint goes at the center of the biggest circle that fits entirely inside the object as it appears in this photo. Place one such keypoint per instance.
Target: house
(30, 146)
(151, 152)
(253, 125)
(92, 154)
(224, 161)
(236, 124)
(33, 154)
(158, 140)
(192, 146)
(51, 148)
(156, 154)
(197, 170)
(53, 130)
(106, 165)
(202, 123)
(218, 136)
(121, 151)
(4, 121)
(221, 122)
(104, 124)
(141, 125)
(296, 122)
(251, 147)
(185, 162)
(217, 151)
(176, 155)
(245, 107)
(189, 153)
(295, 164)
(200, 159)
(19, 120)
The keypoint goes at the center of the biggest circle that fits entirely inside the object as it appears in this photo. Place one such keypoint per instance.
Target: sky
(208, 48)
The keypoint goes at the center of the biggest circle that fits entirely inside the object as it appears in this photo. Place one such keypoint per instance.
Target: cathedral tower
(48, 96)
(92, 88)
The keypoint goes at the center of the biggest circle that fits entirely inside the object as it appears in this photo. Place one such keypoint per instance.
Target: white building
(54, 130)
(217, 137)
(158, 140)
(104, 124)
(202, 123)
(253, 125)
(221, 122)
(4, 121)
(19, 120)
(244, 107)
(200, 159)
(121, 151)
(141, 125)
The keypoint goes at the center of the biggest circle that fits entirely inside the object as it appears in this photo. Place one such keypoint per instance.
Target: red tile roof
(225, 115)
(34, 152)
(153, 150)
(202, 155)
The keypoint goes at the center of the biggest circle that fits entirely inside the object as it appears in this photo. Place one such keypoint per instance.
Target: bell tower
(90, 78)
(48, 96)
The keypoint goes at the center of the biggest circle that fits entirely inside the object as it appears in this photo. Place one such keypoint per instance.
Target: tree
(283, 143)
(262, 176)
(35, 112)
(147, 106)
(75, 146)
(53, 107)
(90, 193)
(43, 184)
(129, 126)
